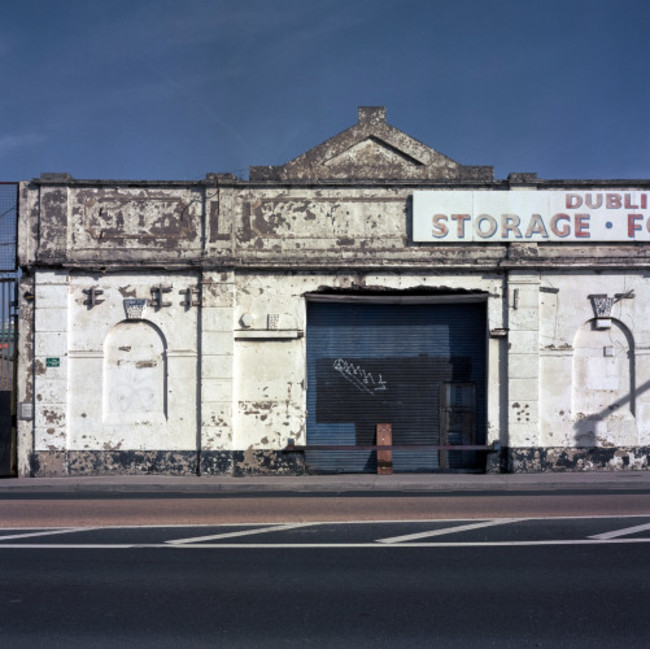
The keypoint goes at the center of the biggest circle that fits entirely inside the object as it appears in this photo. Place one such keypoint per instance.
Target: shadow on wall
(604, 385)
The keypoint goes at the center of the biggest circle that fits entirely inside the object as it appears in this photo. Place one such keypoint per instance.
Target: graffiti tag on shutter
(360, 378)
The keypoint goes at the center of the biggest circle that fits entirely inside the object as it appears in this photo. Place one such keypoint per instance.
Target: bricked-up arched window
(604, 385)
(135, 373)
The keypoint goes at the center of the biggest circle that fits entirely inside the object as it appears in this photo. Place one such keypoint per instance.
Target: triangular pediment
(372, 149)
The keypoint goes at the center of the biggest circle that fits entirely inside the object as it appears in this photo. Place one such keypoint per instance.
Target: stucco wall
(210, 376)
(594, 371)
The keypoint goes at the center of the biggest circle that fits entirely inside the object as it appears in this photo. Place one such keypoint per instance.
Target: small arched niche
(603, 386)
(135, 373)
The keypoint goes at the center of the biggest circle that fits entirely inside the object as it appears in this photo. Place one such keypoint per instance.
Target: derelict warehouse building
(371, 290)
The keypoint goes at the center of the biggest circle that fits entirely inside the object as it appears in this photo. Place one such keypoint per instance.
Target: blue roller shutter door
(373, 363)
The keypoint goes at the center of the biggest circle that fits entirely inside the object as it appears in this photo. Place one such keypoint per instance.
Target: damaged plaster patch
(127, 291)
(261, 462)
(525, 460)
(118, 462)
(345, 241)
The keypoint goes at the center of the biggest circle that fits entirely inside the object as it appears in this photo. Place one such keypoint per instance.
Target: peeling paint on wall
(222, 271)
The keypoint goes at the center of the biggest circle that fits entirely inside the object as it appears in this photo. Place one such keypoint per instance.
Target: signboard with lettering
(52, 362)
(537, 216)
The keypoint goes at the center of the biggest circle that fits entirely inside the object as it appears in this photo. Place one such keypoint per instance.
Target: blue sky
(174, 89)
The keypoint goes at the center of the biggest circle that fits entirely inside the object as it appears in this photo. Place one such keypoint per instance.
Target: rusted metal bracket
(92, 294)
(190, 293)
(156, 300)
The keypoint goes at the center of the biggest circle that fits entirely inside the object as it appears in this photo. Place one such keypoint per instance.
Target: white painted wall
(123, 384)
(587, 373)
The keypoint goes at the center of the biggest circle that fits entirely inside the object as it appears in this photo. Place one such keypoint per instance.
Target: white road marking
(77, 546)
(441, 544)
(448, 530)
(607, 538)
(230, 535)
(66, 530)
(312, 546)
(624, 532)
(398, 521)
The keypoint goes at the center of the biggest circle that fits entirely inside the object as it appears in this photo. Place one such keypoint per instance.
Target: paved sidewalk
(409, 483)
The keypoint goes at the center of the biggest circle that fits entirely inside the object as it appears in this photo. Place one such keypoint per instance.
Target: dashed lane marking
(606, 536)
(230, 535)
(51, 532)
(227, 540)
(317, 546)
(448, 530)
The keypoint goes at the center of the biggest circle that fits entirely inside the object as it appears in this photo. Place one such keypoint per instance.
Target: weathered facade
(185, 327)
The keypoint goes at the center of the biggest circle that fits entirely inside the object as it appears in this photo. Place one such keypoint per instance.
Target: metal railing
(494, 446)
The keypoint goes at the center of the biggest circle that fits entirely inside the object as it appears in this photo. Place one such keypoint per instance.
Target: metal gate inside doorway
(420, 367)
(8, 326)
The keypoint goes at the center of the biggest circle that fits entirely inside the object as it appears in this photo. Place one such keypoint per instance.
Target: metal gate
(8, 327)
(420, 367)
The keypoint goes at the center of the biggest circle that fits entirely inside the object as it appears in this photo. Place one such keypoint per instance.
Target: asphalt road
(560, 583)
(561, 562)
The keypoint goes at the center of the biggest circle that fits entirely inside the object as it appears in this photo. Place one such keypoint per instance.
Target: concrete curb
(421, 483)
